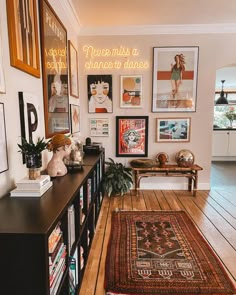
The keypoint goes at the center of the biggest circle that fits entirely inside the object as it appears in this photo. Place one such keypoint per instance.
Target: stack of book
(32, 188)
(57, 256)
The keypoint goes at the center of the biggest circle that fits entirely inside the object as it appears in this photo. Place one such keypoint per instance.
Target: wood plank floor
(213, 212)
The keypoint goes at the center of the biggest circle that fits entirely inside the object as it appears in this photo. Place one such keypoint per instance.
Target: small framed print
(75, 118)
(3, 141)
(173, 129)
(131, 136)
(99, 127)
(131, 94)
(175, 71)
(73, 70)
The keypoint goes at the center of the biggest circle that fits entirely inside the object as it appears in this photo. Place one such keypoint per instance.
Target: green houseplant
(32, 155)
(117, 179)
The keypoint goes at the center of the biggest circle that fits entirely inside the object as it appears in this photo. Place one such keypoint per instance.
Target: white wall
(215, 51)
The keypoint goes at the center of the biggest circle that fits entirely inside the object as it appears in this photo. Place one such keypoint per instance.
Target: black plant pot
(33, 162)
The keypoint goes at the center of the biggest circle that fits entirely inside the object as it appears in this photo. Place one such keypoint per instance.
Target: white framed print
(131, 92)
(3, 141)
(75, 118)
(173, 129)
(99, 126)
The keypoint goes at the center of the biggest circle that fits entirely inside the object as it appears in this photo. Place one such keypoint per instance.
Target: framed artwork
(173, 129)
(131, 136)
(175, 71)
(75, 118)
(73, 70)
(23, 35)
(99, 127)
(30, 120)
(99, 93)
(131, 94)
(54, 71)
(2, 78)
(3, 141)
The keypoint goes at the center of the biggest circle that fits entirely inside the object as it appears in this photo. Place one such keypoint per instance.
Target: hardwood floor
(213, 212)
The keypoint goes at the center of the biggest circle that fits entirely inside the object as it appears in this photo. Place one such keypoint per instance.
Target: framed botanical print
(99, 126)
(100, 93)
(75, 118)
(3, 141)
(73, 70)
(131, 94)
(173, 129)
(175, 72)
(55, 71)
(131, 136)
(23, 35)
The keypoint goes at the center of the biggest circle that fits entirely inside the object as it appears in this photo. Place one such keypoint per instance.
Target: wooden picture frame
(99, 127)
(3, 141)
(73, 70)
(99, 93)
(75, 118)
(173, 129)
(131, 93)
(2, 77)
(54, 71)
(131, 136)
(23, 36)
(175, 71)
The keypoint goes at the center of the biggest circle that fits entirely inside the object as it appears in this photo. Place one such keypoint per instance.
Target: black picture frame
(54, 45)
(131, 136)
(3, 141)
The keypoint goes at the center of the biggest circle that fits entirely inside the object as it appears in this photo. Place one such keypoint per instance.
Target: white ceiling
(93, 13)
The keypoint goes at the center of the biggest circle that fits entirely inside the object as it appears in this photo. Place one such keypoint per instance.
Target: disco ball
(184, 158)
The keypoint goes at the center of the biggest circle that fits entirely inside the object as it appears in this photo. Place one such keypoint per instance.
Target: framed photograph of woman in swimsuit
(175, 71)
(131, 136)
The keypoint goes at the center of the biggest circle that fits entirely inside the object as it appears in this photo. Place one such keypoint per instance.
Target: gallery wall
(213, 54)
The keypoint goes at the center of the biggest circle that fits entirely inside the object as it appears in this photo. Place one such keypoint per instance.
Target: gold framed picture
(23, 35)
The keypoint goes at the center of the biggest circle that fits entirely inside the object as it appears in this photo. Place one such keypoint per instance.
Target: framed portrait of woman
(175, 71)
(100, 93)
(131, 136)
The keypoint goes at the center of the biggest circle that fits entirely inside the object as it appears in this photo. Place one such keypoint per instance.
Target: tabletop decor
(230, 114)
(33, 155)
(161, 252)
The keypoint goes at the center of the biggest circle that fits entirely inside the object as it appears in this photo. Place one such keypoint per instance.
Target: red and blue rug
(161, 252)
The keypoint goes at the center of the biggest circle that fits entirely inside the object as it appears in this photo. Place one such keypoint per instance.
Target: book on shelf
(57, 267)
(26, 183)
(54, 238)
(71, 226)
(53, 259)
(29, 192)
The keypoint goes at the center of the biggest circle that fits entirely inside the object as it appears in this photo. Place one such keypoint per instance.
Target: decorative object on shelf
(60, 146)
(184, 158)
(74, 160)
(175, 71)
(222, 99)
(162, 158)
(33, 157)
(117, 179)
(230, 115)
(142, 163)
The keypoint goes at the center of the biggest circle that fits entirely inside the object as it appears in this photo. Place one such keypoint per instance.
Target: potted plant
(32, 154)
(117, 179)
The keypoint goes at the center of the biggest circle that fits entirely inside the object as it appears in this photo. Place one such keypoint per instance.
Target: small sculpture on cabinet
(162, 158)
(60, 146)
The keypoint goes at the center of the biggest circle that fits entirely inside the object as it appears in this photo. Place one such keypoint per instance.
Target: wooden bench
(168, 171)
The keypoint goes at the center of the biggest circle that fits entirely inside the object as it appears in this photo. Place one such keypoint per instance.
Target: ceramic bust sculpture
(60, 146)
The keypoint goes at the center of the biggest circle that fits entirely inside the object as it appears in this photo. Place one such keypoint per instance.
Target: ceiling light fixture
(222, 99)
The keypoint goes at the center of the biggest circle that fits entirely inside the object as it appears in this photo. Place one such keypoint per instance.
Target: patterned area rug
(161, 252)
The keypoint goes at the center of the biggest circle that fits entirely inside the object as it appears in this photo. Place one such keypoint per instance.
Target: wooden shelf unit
(26, 224)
